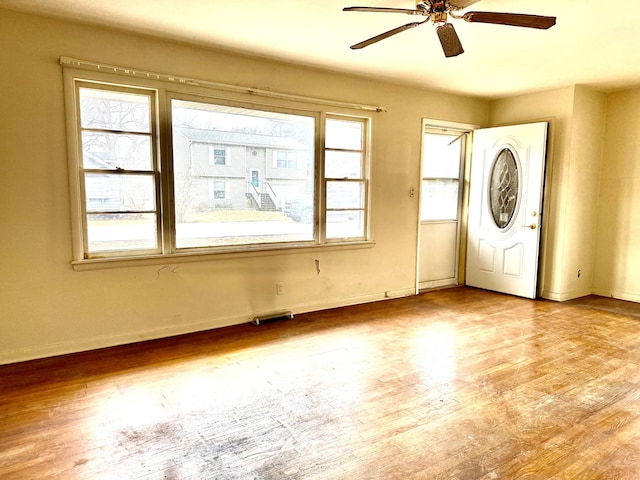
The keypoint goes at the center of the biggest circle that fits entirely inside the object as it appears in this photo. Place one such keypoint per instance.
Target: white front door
(505, 203)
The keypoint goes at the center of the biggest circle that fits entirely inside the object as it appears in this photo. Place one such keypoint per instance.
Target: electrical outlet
(280, 288)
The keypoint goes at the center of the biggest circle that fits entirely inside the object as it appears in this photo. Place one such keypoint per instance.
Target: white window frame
(286, 153)
(82, 171)
(161, 90)
(226, 189)
(212, 155)
(363, 180)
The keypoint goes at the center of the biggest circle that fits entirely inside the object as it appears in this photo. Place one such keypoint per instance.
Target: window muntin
(121, 185)
(118, 171)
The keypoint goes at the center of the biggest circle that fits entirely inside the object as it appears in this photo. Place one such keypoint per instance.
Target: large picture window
(252, 214)
(226, 175)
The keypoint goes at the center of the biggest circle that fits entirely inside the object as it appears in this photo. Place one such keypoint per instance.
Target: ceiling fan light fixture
(438, 11)
(439, 17)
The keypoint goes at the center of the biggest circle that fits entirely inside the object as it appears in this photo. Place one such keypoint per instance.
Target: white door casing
(505, 203)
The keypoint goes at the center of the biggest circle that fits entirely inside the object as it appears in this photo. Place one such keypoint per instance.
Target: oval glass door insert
(503, 188)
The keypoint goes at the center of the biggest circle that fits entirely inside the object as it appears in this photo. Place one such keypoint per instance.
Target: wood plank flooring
(452, 384)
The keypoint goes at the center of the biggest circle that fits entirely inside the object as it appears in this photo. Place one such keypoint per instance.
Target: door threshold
(439, 287)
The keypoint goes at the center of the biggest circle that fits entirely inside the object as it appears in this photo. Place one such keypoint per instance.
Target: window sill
(188, 257)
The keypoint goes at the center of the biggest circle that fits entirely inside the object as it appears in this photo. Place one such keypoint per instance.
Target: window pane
(441, 160)
(299, 209)
(112, 232)
(343, 164)
(345, 224)
(109, 110)
(265, 198)
(109, 151)
(343, 134)
(439, 200)
(345, 195)
(112, 193)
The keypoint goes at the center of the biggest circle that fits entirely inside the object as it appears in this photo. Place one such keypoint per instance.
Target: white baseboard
(564, 296)
(629, 297)
(449, 282)
(93, 343)
(84, 344)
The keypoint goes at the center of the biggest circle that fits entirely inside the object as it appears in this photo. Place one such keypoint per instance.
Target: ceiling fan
(438, 11)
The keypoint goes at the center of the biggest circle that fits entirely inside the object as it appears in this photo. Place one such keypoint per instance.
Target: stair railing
(255, 195)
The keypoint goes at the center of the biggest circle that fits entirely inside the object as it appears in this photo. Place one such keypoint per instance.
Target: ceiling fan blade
(384, 35)
(460, 4)
(382, 9)
(515, 19)
(449, 40)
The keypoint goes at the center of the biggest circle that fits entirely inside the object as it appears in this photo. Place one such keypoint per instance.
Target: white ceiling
(591, 44)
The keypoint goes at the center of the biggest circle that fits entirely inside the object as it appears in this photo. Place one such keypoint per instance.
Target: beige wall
(48, 308)
(591, 223)
(582, 191)
(617, 257)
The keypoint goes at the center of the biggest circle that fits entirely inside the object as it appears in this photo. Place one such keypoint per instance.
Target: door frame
(543, 252)
(259, 186)
(453, 127)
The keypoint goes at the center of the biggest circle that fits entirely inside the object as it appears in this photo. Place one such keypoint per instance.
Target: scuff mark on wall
(167, 267)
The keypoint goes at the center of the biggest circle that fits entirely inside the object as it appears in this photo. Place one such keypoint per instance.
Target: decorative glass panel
(503, 188)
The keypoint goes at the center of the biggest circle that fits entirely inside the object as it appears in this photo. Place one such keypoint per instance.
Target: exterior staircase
(267, 203)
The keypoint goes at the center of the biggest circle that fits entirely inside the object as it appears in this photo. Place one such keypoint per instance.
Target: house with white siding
(237, 170)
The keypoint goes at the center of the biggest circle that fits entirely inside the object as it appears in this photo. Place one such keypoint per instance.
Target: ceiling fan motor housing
(439, 17)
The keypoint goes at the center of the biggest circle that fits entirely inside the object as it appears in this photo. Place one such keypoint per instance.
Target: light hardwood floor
(452, 384)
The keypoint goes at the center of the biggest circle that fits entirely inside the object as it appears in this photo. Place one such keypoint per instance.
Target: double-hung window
(345, 177)
(217, 155)
(118, 174)
(148, 154)
(286, 159)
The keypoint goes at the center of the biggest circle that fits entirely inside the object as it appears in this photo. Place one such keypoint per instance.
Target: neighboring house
(235, 170)
(113, 192)
(103, 191)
